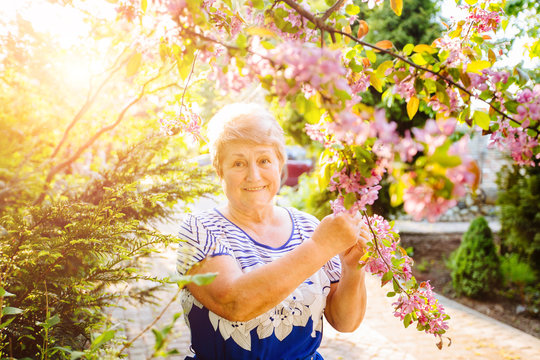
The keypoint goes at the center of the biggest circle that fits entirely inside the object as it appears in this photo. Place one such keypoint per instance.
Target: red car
(297, 164)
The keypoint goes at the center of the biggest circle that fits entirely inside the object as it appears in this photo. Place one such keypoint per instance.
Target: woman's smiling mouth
(255, 188)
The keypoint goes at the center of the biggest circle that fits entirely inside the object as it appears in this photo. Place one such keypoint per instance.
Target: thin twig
(188, 79)
(376, 242)
(128, 344)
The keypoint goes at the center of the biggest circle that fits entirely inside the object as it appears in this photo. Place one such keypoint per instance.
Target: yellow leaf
(491, 56)
(397, 6)
(418, 59)
(412, 106)
(260, 31)
(478, 66)
(420, 48)
(375, 82)
(133, 64)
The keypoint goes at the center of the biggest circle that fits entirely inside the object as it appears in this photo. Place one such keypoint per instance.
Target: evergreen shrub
(519, 210)
(475, 264)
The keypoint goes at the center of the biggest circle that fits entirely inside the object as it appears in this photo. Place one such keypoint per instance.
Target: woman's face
(250, 174)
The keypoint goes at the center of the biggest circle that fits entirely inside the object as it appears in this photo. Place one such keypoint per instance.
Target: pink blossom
(483, 20)
(408, 147)
(421, 202)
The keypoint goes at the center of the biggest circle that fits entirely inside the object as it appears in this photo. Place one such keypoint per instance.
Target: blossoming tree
(311, 56)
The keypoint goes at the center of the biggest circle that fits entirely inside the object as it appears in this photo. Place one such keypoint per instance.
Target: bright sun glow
(67, 26)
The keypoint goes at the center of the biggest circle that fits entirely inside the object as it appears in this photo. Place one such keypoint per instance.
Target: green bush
(516, 272)
(82, 183)
(519, 209)
(475, 264)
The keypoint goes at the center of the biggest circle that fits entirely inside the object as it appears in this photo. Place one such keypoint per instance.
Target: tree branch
(319, 23)
(89, 101)
(333, 8)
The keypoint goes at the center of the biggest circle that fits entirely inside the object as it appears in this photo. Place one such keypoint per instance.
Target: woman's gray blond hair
(249, 122)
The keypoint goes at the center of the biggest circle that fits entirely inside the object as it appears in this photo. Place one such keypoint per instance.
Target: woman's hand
(350, 257)
(337, 232)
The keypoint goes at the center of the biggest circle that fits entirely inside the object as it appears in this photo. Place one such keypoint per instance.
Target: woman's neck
(259, 216)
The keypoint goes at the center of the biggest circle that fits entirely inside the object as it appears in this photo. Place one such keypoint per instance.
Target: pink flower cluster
(422, 305)
(456, 50)
(384, 247)
(415, 302)
(405, 87)
(365, 189)
(421, 201)
(483, 20)
(520, 144)
(187, 121)
(529, 108)
(294, 65)
(488, 79)
(516, 139)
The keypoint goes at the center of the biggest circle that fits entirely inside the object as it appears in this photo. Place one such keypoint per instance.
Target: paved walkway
(381, 336)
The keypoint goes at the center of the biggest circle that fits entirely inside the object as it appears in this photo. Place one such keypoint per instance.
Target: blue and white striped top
(291, 330)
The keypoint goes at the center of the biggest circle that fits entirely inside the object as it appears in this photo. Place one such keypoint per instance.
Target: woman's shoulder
(207, 218)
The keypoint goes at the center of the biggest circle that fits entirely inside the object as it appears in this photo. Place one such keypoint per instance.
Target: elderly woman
(279, 269)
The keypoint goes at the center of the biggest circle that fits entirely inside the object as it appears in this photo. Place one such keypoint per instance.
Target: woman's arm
(239, 296)
(346, 302)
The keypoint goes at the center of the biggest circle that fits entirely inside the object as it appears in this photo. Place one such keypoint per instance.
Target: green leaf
(8, 310)
(258, 4)
(387, 277)
(49, 322)
(370, 54)
(102, 339)
(511, 106)
(133, 64)
(407, 320)
(349, 200)
(5, 293)
(204, 279)
(390, 294)
(6, 323)
(440, 156)
(408, 49)
(481, 119)
(395, 285)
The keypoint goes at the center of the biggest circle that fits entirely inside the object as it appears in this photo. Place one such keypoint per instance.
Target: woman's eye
(265, 161)
(237, 163)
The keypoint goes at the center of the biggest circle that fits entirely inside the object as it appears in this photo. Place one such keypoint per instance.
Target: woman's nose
(253, 172)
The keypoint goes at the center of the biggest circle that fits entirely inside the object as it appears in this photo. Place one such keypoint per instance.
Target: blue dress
(291, 330)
